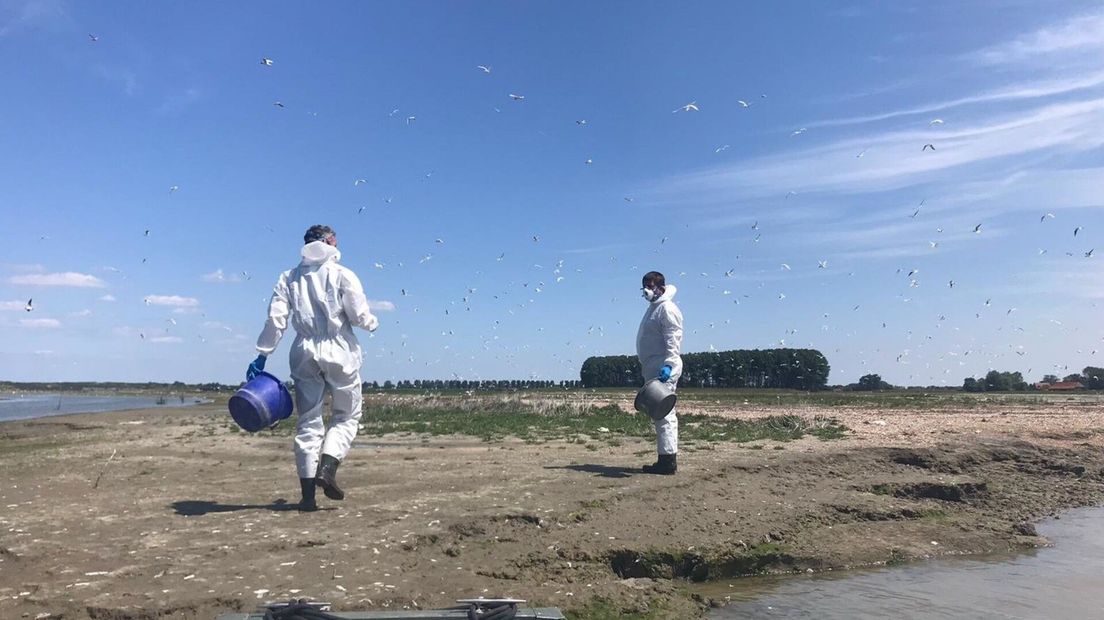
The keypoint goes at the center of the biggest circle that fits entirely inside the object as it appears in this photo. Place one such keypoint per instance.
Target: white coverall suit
(324, 300)
(658, 344)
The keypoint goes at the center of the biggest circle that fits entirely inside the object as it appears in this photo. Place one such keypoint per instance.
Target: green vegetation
(802, 369)
(496, 419)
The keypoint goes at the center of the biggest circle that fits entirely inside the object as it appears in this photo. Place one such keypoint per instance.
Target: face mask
(649, 294)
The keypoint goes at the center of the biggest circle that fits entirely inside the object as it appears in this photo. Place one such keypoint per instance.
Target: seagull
(861, 153)
(266, 62)
(378, 265)
(951, 284)
(483, 68)
(536, 238)
(662, 241)
(822, 264)
(628, 199)
(790, 193)
(977, 229)
(439, 241)
(785, 267)
(1089, 253)
(928, 146)
(147, 232)
(174, 188)
(589, 161)
(798, 132)
(936, 121)
(359, 181)
(755, 226)
(393, 112)
(933, 244)
(720, 148)
(581, 121)
(278, 104)
(403, 292)
(1045, 216)
(517, 97)
(690, 107)
(1076, 230)
(30, 305)
(743, 104)
(411, 119)
(93, 38)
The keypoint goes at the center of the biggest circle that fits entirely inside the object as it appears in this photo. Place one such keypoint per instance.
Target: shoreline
(191, 518)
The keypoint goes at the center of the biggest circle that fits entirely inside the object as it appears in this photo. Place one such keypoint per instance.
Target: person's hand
(665, 374)
(255, 368)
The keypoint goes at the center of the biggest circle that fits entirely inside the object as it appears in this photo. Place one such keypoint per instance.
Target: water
(1063, 581)
(29, 406)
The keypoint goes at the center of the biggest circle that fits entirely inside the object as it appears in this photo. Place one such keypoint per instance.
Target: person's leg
(666, 446)
(345, 390)
(310, 429)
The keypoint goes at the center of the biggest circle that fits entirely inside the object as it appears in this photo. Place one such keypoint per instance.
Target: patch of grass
(935, 516)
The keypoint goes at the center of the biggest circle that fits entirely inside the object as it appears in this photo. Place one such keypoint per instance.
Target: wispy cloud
(25, 14)
(166, 339)
(81, 313)
(13, 305)
(381, 305)
(180, 101)
(1082, 34)
(218, 276)
(40, 323)
(175, 301)
(68, 278)
(1033, 90)
(108, 298)
(122, 76)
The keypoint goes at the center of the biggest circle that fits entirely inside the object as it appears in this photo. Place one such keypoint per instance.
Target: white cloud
(218, 276)
(381, 305)
(166, 339)
(1083, 33)
(40, 323)
(13, 305)
(1034, 90)
(107, 298)
(81, 313)
(172, 300)
(68, 278)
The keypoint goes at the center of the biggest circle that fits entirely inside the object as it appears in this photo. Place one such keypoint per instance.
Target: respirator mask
(649, 294)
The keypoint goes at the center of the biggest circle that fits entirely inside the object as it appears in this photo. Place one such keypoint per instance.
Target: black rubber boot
(307, 503)
(327, 477)
(667, 465)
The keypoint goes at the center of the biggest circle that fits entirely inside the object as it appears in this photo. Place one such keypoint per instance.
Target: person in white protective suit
(658, 345)
(323, 301)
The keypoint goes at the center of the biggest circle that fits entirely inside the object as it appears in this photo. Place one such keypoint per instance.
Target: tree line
(996, 381)
(795, 369)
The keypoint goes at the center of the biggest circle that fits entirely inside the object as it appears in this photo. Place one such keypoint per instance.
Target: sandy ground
(189, 519)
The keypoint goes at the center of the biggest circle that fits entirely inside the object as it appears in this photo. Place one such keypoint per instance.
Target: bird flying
(690, 107)
(483, 68)
(266, 62)
(928, 146)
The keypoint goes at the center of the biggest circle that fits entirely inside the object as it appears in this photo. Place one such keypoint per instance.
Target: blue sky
(542, 252)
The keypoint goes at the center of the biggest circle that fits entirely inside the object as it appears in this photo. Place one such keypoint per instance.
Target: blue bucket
(260, 403)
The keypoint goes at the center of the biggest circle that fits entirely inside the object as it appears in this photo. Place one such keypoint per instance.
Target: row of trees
(995, 381)
(796, 369)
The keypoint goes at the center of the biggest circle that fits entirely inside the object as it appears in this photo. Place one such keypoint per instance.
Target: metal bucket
(656, 399)
(260, 403)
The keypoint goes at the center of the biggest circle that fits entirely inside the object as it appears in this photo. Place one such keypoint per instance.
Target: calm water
(43, 405)
(1064, 581)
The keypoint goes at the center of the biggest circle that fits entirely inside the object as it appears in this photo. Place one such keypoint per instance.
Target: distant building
(1061, 386)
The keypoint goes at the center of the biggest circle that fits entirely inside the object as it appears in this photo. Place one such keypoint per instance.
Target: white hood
(318, 252)
(668, 293)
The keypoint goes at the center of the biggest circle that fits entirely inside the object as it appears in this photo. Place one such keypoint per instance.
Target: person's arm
(671, 321)
(277, 319)
(355, 303)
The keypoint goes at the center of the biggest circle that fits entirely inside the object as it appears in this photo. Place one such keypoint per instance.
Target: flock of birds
(577, 350)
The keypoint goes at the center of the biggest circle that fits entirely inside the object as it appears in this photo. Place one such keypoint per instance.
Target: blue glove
(257, 365)
(665, 374)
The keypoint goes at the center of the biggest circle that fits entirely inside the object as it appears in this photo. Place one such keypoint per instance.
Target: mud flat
(191, 518)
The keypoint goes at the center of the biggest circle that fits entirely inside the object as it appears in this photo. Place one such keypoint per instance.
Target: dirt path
(190, 519)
